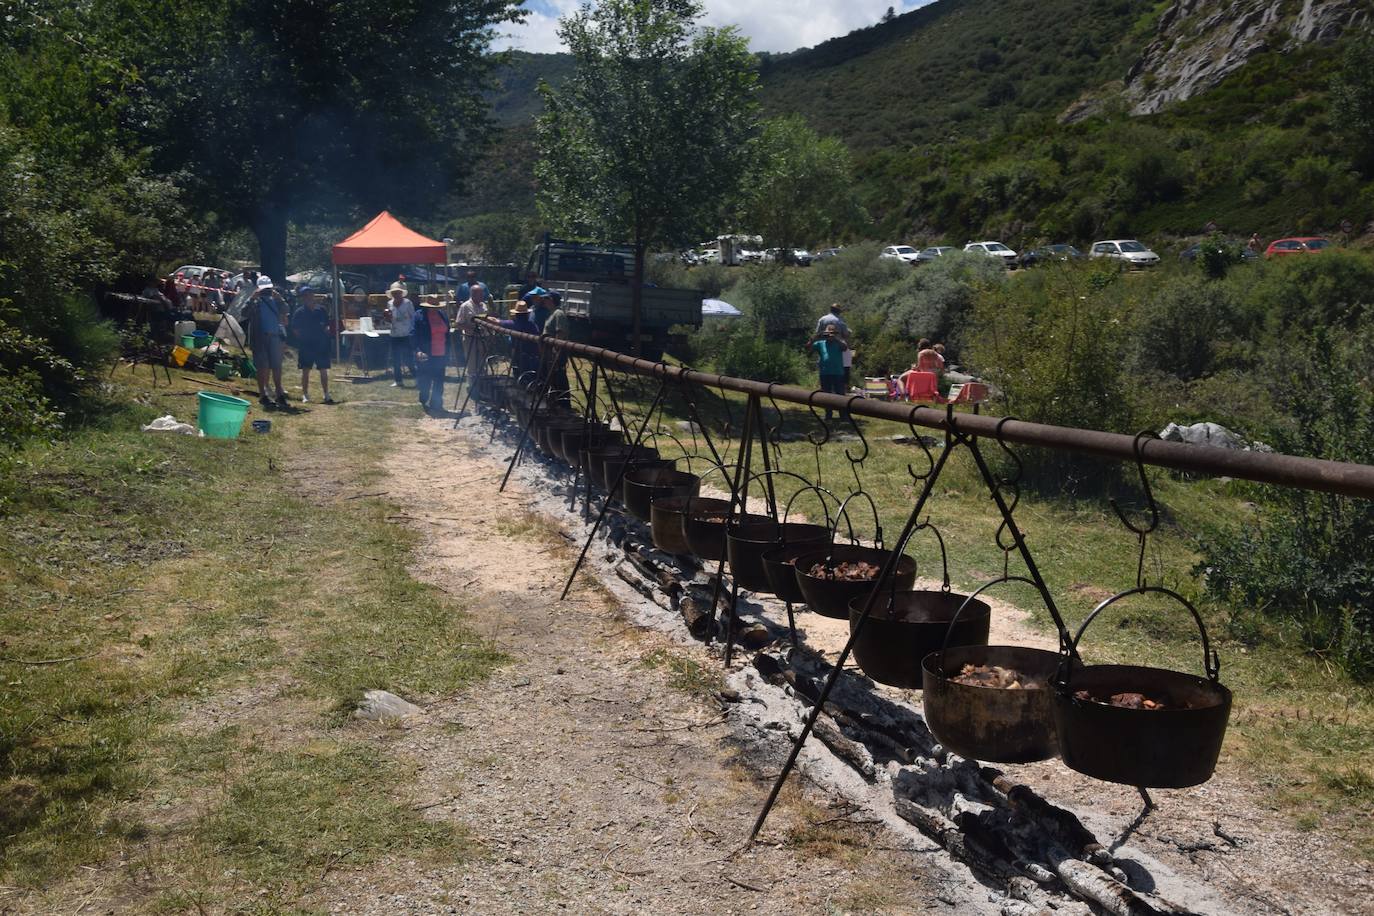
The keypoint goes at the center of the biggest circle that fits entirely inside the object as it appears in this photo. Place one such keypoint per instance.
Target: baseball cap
(264, 282)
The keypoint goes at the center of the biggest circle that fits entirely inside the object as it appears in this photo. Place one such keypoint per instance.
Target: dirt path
(592, 769)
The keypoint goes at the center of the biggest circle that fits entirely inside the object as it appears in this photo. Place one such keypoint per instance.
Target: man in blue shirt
(830, 347)
(465, 290)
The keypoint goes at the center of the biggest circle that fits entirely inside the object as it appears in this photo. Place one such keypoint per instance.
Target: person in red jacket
(430, 340)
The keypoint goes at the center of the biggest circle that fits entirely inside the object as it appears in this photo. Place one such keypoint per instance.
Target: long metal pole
(1285, 470)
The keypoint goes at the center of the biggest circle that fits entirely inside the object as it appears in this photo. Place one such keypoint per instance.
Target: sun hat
(522, 308)
(430, 299)
(397, 287)
(264, 282)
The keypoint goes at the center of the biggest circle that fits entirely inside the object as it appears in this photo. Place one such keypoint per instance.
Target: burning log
(696, 614)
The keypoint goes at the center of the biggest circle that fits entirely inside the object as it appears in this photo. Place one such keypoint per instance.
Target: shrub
(776, 299)
(1055, 350)
(751, 354)
(1306, 561)
(937, 299)
(1179, 325)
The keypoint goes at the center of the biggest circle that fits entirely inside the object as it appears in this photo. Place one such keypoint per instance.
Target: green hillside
(957, 68)
(1008, 119)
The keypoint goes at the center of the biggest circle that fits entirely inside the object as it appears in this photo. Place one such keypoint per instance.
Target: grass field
(188, 623)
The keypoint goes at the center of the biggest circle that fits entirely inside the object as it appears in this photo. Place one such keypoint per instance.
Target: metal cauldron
(573, 441)
(604, 473)
(747, 542)
(705, 526)
(666, 517)
(1169, 748)
(999, 725)
(904, 627)
(830, 597)
(782, 575)
(644, 485)
(551, 436)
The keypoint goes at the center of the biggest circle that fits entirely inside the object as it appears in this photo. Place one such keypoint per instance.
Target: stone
(381, 706)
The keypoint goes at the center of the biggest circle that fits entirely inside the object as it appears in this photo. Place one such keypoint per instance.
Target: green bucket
(188, 341)
(220, 415)
(224, 371)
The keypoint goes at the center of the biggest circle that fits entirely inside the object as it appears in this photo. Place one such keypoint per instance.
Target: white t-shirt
(468, 312)
(402, 318)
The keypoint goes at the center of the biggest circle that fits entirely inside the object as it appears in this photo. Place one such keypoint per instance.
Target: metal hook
(930, 459)
(825, 427)
(1011, 483)
(1141, 533)
(857, 431)
(774, 433)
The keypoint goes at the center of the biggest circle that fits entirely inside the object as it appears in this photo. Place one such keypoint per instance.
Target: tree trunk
(270, 229)
(637, 298)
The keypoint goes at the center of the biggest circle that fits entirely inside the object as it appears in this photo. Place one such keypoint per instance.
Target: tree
(303, 109)
(648, 139)
(1352, 102)
(801, 185)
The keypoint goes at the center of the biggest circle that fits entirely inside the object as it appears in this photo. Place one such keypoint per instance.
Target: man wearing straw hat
(524, 354)
(402, 325)
(430, 339)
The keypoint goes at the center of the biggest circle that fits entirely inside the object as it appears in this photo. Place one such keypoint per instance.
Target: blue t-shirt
(832, 356)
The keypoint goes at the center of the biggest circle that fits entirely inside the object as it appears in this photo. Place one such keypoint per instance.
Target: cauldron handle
(822, 492)
(949, 630)
(1211, 663)
(944, 563)
(766, 479)
(722, 467)
(843, 510)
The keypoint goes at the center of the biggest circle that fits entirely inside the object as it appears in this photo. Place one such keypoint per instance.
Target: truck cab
(595, 283)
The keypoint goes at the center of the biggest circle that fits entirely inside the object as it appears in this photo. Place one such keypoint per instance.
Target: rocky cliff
(1200, 42)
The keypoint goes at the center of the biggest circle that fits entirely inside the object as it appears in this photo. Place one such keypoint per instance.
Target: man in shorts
(310, 331)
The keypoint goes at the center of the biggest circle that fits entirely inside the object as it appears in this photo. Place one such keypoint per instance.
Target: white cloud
(770, 25)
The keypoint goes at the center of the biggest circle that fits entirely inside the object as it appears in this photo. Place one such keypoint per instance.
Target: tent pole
(338, 317)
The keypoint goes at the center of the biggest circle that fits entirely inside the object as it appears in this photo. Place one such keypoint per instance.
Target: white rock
(381, 706)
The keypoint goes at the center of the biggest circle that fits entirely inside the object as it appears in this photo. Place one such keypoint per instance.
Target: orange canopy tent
(386, 240)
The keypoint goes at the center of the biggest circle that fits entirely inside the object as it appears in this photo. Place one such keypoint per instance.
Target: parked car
(825, 254)
(1246, 254)
(750, 256)
(708, 256)
(322, 279)
(1128, 251)
(994, 250)
(926, 255)
(1281, 248)
(1046, 253)
(899, 253)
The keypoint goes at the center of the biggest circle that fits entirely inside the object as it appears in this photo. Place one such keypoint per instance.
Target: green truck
(597, 285)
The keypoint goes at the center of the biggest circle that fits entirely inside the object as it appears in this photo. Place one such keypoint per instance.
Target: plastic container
(220, 416)
(224, 371)
(180, 355)
(203, 338)
(188, 341)
(185, 328)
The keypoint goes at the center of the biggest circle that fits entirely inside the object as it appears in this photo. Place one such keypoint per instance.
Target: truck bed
(610, 302)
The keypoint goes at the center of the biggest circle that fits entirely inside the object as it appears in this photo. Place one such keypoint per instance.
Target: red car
(1283, 247)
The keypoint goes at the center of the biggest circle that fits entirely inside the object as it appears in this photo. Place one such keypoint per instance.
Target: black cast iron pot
(903, 628)
(644, 485)
(830, 596)
(666, 516)
(1000, 725)
(1168, 748)
(605, 474)
(747, 542)
(782, 575)
(705, 527)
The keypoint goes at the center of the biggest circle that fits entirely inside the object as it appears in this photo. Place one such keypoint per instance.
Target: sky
(770, 25)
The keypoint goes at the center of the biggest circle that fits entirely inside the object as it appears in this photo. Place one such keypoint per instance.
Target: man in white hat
(402, 326)
(267, 336)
